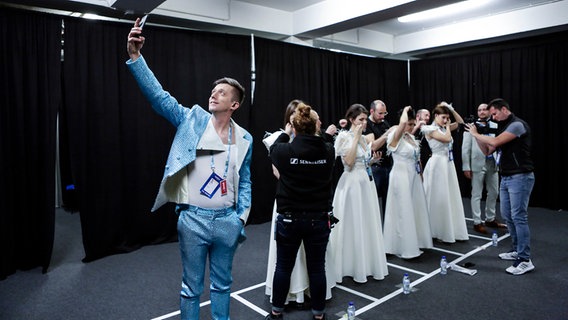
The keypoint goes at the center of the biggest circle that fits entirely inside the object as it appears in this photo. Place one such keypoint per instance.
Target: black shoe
(495, 224)
(480, 228)
(273, 316)
(324, 317)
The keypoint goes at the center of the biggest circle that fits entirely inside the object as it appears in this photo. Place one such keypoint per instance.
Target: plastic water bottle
(406, 284)
(351, 311)
(443, 265)
(495, 239)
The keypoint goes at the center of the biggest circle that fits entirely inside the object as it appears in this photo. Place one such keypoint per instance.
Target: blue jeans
(515, 193)
(289, 235)
(203, 232)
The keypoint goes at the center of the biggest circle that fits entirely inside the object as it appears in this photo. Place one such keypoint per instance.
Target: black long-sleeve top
(305, 166)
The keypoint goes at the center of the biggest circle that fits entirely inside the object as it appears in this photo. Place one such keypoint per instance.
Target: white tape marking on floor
(169, 315)
(448, 251)
(406, 269)
(249, 288)
(375, 302)
(249, 304)
(360, 294)
(235, 295)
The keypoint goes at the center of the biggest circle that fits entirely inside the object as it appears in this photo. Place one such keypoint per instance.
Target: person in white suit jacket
(482, 171)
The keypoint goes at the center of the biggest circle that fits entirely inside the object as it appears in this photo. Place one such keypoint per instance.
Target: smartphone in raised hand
(141, 24)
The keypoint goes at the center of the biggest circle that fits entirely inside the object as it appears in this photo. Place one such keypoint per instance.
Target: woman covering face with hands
(407, 225)
(357, 240)
(447, 218)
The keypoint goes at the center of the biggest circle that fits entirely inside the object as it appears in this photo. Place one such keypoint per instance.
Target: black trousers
(290, 232)
(381, 179)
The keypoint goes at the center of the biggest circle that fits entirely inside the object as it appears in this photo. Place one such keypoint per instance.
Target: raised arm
(351, 154)
(459, 119)
(161, 100)
(135, 41)
(419, 124)
(399, 131)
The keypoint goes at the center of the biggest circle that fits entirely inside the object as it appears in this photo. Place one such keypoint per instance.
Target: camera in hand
(483, 126)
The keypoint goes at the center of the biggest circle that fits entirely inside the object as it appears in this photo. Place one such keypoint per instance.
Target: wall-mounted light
(443, 11)
(92, 16)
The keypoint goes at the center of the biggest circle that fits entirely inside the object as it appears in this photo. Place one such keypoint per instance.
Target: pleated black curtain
(117, 144)
(370, 79)
(330, 82)
(29, 99)
(531, 75)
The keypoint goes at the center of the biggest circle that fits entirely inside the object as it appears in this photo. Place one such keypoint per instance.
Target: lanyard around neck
(228, 155)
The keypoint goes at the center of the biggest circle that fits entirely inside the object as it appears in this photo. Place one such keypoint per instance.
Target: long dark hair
(290, 110)
(354, 111)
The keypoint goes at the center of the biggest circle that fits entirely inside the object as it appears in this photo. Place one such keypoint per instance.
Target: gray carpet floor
(145, 284)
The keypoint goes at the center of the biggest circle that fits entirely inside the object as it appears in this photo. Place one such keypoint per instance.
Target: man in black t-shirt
(379, 126)
(422, 118)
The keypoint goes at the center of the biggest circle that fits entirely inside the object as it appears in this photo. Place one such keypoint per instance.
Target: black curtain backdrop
(531, 75)
(29, 98)
(117, 144)
(328, 81)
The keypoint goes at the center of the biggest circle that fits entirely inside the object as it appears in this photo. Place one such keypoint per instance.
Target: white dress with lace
(407, 225)
(443, 196)
(357, 240)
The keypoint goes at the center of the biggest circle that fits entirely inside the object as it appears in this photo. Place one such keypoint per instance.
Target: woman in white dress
(407, 226)
(443, 196)
(357, 240)
(299, 282)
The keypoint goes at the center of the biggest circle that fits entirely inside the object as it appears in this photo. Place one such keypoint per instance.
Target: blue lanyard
(228, 155)
(417, 165)
(366, 154)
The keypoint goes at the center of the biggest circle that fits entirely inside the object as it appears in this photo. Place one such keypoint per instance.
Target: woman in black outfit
(303, 200)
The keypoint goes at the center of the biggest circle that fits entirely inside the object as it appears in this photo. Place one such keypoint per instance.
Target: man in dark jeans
(305, 166)
(379, 126)
(513, 146)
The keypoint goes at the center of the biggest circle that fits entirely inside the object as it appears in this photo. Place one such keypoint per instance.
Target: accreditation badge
(212, 185)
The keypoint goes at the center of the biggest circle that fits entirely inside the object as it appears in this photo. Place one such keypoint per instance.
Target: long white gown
(357, 240)
(447, 218)
(407, 225)
(299, 281)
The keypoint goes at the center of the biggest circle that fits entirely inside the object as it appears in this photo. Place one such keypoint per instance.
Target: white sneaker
(509, 255)
(520, 268)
